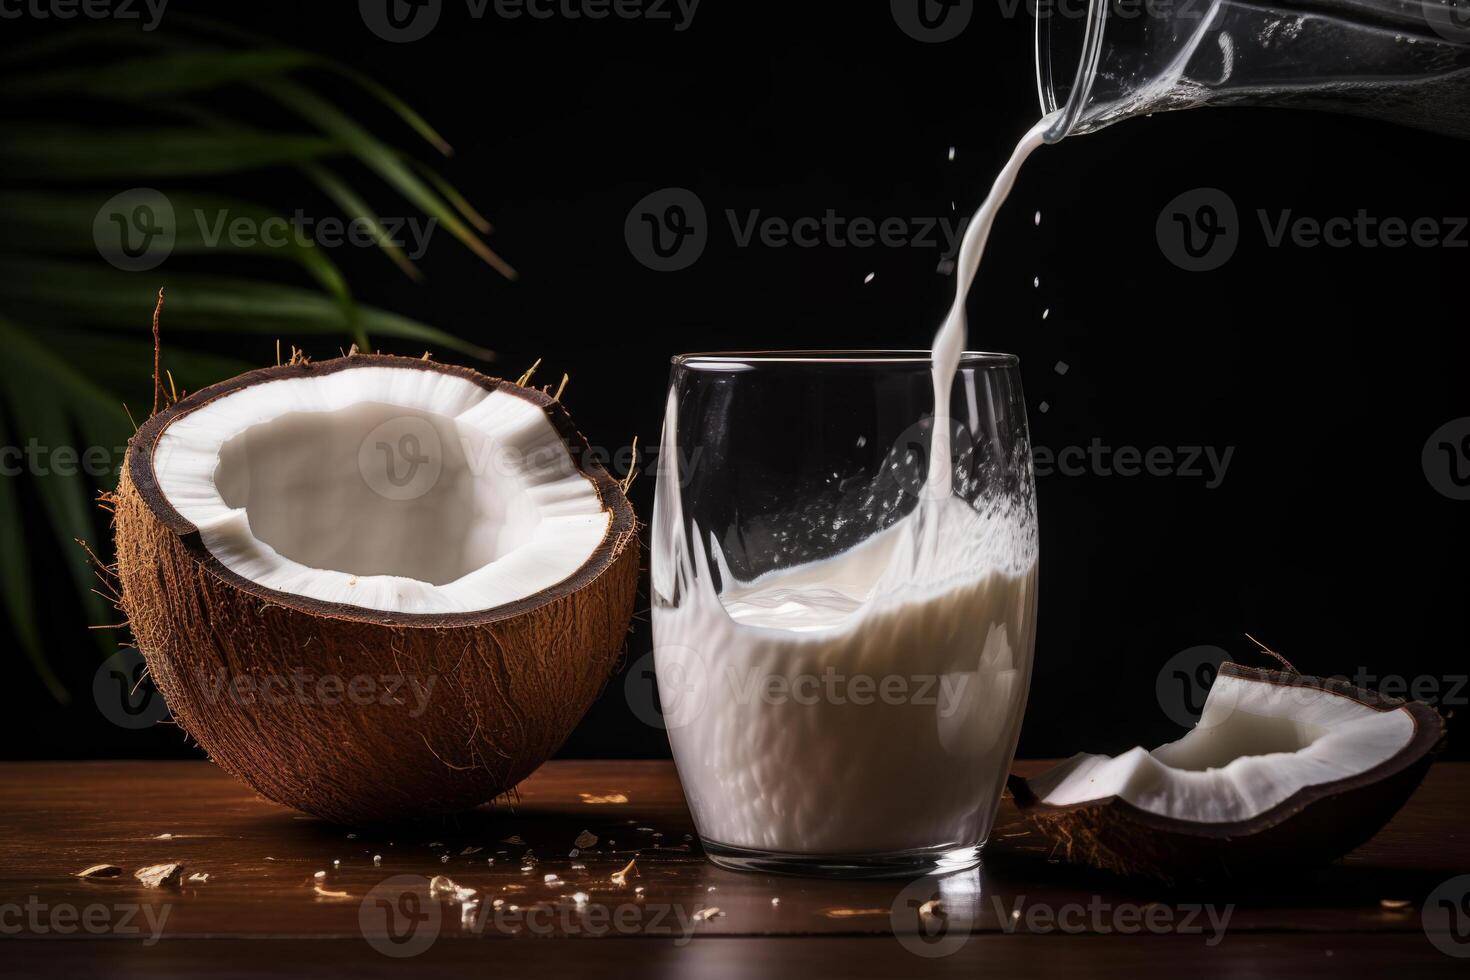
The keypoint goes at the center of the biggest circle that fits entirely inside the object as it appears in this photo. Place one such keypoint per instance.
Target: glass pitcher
(1101, 61)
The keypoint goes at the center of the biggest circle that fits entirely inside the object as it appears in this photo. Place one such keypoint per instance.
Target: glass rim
(733, 358)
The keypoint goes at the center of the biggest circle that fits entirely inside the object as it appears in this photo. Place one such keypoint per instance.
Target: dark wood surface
(263, 910)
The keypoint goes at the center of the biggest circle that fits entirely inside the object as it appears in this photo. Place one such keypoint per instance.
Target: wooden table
(267, 909)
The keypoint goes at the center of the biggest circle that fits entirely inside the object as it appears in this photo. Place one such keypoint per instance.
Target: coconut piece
(159, 875)
(375, 517)
(1282, 768)
(100, 871)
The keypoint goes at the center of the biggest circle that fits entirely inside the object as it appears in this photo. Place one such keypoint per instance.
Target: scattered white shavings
(159, 875)
(704, 915)
(324, 892)
(199, 878)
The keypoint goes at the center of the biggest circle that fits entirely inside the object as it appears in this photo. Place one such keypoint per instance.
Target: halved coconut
(1282, 768)
(374, 587)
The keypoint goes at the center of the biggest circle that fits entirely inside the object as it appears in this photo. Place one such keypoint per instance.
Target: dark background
(1326, 369)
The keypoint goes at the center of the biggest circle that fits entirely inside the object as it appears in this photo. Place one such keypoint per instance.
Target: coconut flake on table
(441, 886)
(585, 839)
(99, 871)
(159, 875)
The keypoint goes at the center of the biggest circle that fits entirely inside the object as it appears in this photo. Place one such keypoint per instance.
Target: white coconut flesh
(388, 488)
(1256, 744)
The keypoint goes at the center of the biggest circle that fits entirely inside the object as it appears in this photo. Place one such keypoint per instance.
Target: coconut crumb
(159, 875)
(551, 879)
(580, 898)
(704, 915)
(470, 850)
(621, 877)
(99, 871)
(584, 840)
(776, 900)
(932, 907)
(594, 799)
(164, 837)
(1395, 903)
(377, 860)
(440, 886)
(514, 839)
(199, 878)
(320, 874)
(328, 893)
(853, 913)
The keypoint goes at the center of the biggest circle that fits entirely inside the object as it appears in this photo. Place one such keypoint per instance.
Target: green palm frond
(75, 328)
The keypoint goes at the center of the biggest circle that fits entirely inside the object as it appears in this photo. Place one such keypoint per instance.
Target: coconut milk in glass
(844, 595)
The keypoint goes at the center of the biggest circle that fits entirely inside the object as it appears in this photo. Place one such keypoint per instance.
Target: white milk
(868, 703)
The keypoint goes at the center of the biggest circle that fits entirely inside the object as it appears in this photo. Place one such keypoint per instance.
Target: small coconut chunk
(159, 875)
(99, 871)
(621, 877)
(585, 839)
(704, 915)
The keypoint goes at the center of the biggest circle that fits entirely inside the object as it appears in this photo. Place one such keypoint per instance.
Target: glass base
(893, 864)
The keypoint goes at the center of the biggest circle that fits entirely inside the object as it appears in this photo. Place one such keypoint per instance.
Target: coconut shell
(1315, 825)
(508, 684)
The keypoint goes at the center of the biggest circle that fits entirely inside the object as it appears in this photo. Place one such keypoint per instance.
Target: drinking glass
(843, 650)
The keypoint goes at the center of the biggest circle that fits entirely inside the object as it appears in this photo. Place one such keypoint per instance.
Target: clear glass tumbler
(842, 645)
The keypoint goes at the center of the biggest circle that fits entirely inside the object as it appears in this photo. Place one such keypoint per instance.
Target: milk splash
(866, 704)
